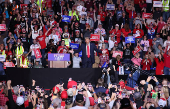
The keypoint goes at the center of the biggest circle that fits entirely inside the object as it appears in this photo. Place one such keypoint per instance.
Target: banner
(115, 53)
(105, 65)
(157, 3)
(2, 27)
(95, 37)
(23, 5)
(8, 64)
(66, 18)
(2, 58)
(138, 49)
(130, 39)
(80, 54)
(37, 53)
(146, 15)
(58, 57)
(74, 46)
(110, 7)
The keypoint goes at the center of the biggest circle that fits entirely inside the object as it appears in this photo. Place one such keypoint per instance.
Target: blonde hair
(166, 91)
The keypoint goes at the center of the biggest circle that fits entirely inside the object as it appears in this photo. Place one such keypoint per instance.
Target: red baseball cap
(71, 84)
(64, 95)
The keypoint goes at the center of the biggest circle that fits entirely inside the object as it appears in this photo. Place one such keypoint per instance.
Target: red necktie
(88, 51)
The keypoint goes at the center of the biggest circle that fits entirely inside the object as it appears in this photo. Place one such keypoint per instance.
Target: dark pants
(42, 53)
(88, 63)
(2, 72)
(149, 7)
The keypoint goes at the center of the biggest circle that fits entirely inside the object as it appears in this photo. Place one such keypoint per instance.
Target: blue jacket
(83, 49)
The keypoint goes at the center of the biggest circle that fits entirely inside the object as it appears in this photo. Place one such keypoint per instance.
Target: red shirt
(130, 13)
(106, 52)
(142, 5)
(61, 48)
(102, 15)
(125, 32)
(166, 60)
(41, 40)
(141, 32)
(118, 33)
(146, 65)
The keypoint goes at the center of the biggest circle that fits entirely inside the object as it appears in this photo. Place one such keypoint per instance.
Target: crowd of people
(38, 26)
(148, 94)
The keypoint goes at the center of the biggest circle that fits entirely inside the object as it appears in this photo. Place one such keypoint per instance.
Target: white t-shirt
(167, 43)
(148, 1)
(78, 107)
(34, 46)
(111, 44)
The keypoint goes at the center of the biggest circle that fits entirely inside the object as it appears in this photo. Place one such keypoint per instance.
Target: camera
(104, 70)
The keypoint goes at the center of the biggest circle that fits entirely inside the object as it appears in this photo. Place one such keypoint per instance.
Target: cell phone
(83, 84)
(99, 100)
(90, 87)
(152, 77)
(118, 86)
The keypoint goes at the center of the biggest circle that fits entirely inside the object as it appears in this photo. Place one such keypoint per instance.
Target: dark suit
(87, 62)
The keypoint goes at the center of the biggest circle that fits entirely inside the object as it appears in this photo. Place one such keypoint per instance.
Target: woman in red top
(104, 48)
(126, 30)
(142, 4)
(161, 24)
(116, 33)
(159, 64)
(138, 30)
(146, 63)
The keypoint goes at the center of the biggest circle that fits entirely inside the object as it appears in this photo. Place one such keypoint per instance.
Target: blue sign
(110, 7)
(104, 65)
(58, 57)
(130, 39)
(74, 46)
(66, 18)
(80, 54)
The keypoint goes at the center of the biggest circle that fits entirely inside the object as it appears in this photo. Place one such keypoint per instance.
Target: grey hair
(57, 102)
(15, 89)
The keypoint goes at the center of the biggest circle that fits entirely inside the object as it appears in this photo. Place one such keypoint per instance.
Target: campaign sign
(130, 39)
(115, 53)
(157, 3)
(95, 37)
(2, 27)
(8, 64)
(80, 54)
(23, 5)
(66, 18)
(110, 7)
(146, 15)
(2, 58)
(58, 57)
(74, 46)
(37, 53)
(104, 65)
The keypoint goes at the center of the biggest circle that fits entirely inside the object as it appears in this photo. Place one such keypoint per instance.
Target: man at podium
(87, 49)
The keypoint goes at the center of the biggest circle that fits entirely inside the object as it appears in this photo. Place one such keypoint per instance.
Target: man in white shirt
(79, 102)
(32, 47)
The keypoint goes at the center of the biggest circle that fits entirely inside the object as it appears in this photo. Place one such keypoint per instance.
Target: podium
(58, 60)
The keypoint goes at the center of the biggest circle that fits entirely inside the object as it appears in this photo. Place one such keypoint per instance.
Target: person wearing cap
(87, 49)
(80, 102)
(116, 33)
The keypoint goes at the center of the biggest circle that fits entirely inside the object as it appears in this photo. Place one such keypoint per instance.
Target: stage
(49, 77)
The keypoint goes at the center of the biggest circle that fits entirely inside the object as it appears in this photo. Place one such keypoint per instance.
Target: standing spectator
(125, 31)
(159, 64)
(136, 60)
(167, 43)
(146, 63)
(76, 61)
(149, 6)
(132, 15)
(145, 44)
(165, 4)
(117, 62)
(127, 53)
(124, 19)
(62, 48)
(161, 24)
(157, 13)
(116, 33)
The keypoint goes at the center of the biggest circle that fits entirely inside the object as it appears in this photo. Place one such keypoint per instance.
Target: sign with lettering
(74, 46)
(110, 7)
(2, 27)
(58, 57)
(130, 39)
(95, 37)
(157, 3)
(146, 15)
(66, 18)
